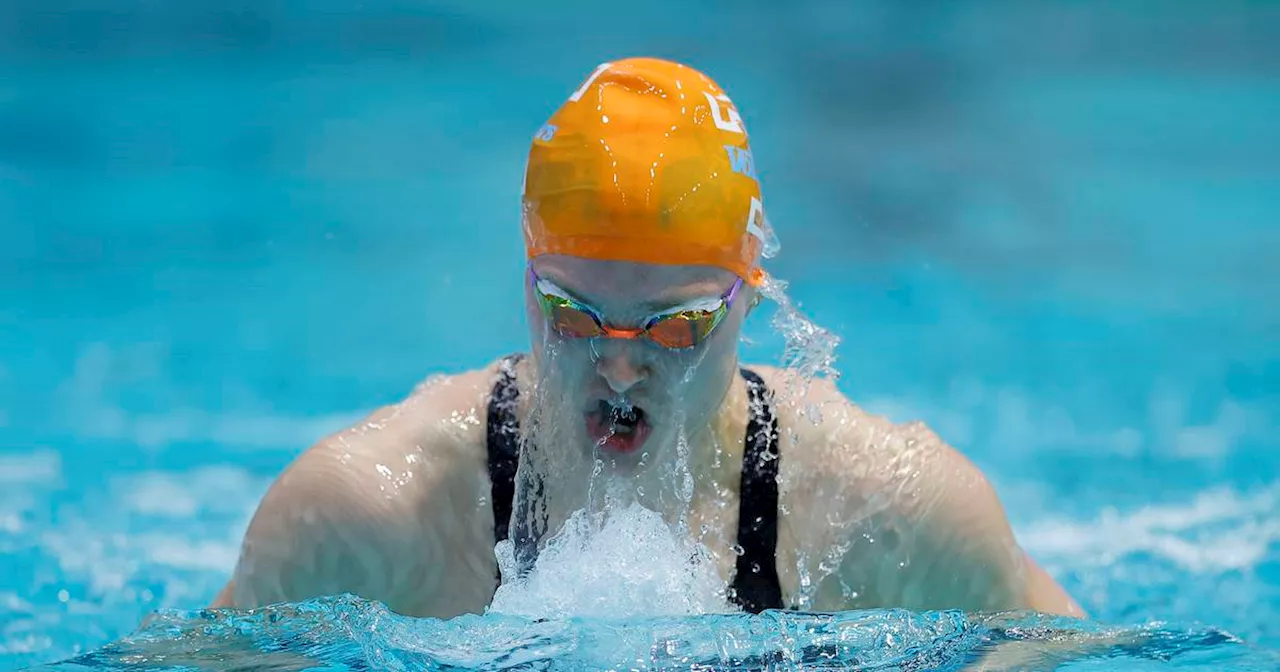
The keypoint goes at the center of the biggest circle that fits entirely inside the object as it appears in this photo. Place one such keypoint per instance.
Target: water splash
(347, 633)
(603, 533)
(600, 562)
(593, 565)
(810, 350)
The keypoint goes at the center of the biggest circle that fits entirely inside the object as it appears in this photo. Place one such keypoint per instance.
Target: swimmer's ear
(755, 300)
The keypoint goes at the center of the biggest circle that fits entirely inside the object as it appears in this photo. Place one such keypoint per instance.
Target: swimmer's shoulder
(443, 419)
(440, 422)
(897, 497)
(832, 430)
(403, 490)
(830, 440)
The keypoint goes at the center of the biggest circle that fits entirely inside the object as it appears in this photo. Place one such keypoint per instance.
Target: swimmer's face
(632, 395)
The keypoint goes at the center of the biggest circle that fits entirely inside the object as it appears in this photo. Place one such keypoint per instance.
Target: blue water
(1047, 229)
(347, 633)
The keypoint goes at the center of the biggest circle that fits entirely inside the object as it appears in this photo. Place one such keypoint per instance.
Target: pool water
(1048, 230)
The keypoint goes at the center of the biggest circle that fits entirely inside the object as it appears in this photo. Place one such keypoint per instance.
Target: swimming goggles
(676, 329)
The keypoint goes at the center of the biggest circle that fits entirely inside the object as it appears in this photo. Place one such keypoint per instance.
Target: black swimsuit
(755, 583)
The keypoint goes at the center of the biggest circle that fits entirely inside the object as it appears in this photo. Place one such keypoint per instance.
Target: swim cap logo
(647, 161)
(741, 161)
(755, 217)
(545, 133)
(726, 118)
(577, 95)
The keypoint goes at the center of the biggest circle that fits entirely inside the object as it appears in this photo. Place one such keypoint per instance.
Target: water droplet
(809, 349)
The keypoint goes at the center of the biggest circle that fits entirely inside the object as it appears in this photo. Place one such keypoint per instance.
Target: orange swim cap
(648, 161)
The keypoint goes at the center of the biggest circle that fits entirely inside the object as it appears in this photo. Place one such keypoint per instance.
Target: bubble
(598, 564)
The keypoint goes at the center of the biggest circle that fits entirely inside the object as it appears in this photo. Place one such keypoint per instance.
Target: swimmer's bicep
(1044, 594)
(225, 597)
(950, 544)
(962, 547)
(988, 568)
(320, 531)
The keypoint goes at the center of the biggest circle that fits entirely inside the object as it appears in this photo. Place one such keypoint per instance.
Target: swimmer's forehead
(632, 285)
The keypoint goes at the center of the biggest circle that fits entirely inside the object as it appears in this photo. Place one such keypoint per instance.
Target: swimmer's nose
(621, 367)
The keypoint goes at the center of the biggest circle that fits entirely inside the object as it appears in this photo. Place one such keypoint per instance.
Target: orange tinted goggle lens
(570, 321)
(682, 330)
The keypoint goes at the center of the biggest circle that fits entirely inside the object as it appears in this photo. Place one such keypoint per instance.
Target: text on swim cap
(755, 217)
(724, 114)
(741, 161)
(545, 133)
(585, 85)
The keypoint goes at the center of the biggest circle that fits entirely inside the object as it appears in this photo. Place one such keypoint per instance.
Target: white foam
(1220, 530)
(235, 430)
(202, 516)
(622, 563)
(182, 553)
(107, 561)
(160, 495)
(11, 603)
(89, 413)
(41, 466)
(83, 552)
(1016, 420)
(216, 488)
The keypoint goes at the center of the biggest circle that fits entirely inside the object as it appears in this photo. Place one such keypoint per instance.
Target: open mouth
(617, 426)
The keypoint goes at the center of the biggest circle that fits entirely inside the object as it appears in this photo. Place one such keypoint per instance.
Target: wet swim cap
(648, 161)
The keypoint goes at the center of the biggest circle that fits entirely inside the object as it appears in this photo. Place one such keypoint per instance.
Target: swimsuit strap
(503, 444)
(755, 583)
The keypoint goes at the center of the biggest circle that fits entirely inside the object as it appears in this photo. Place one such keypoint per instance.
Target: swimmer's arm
(322, 529)
(223, 599)
(922, 527)
(389, 510)
(977, 563)
(1046, 595)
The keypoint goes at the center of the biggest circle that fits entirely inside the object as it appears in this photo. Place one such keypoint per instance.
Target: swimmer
(645, 235)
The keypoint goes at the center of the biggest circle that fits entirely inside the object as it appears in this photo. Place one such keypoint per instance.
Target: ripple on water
(349, 633)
